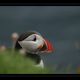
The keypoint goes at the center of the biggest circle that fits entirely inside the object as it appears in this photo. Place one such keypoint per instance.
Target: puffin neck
(34, 57)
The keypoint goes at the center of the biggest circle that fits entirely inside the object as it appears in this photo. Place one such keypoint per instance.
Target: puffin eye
(34, 39)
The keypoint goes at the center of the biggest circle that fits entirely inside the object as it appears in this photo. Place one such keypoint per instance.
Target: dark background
(60, 24)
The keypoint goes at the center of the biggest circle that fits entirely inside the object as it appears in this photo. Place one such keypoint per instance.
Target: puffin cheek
(28, 45)
(32, 46)
(40, 44)
(23, 44)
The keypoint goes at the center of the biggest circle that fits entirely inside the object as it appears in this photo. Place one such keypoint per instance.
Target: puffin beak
(49, 46)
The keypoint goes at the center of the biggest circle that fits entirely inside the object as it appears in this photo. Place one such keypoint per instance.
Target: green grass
(15, 63)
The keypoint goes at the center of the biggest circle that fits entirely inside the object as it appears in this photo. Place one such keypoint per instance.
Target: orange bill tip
(50, 47)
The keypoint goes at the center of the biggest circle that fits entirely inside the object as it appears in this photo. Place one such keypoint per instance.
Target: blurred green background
(60, 24)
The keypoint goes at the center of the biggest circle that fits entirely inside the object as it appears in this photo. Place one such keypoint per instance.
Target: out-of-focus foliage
(15, 63)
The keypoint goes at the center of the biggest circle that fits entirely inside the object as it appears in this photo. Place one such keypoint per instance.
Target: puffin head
(33, 42)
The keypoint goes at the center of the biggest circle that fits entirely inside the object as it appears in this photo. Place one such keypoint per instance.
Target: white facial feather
(31, 45)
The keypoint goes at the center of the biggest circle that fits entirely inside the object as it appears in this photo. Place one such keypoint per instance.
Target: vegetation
(15, 63)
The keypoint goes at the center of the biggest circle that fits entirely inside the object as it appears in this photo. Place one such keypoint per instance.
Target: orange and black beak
(47, 47)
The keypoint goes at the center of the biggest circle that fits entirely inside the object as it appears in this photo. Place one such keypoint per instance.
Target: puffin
(32, 43)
